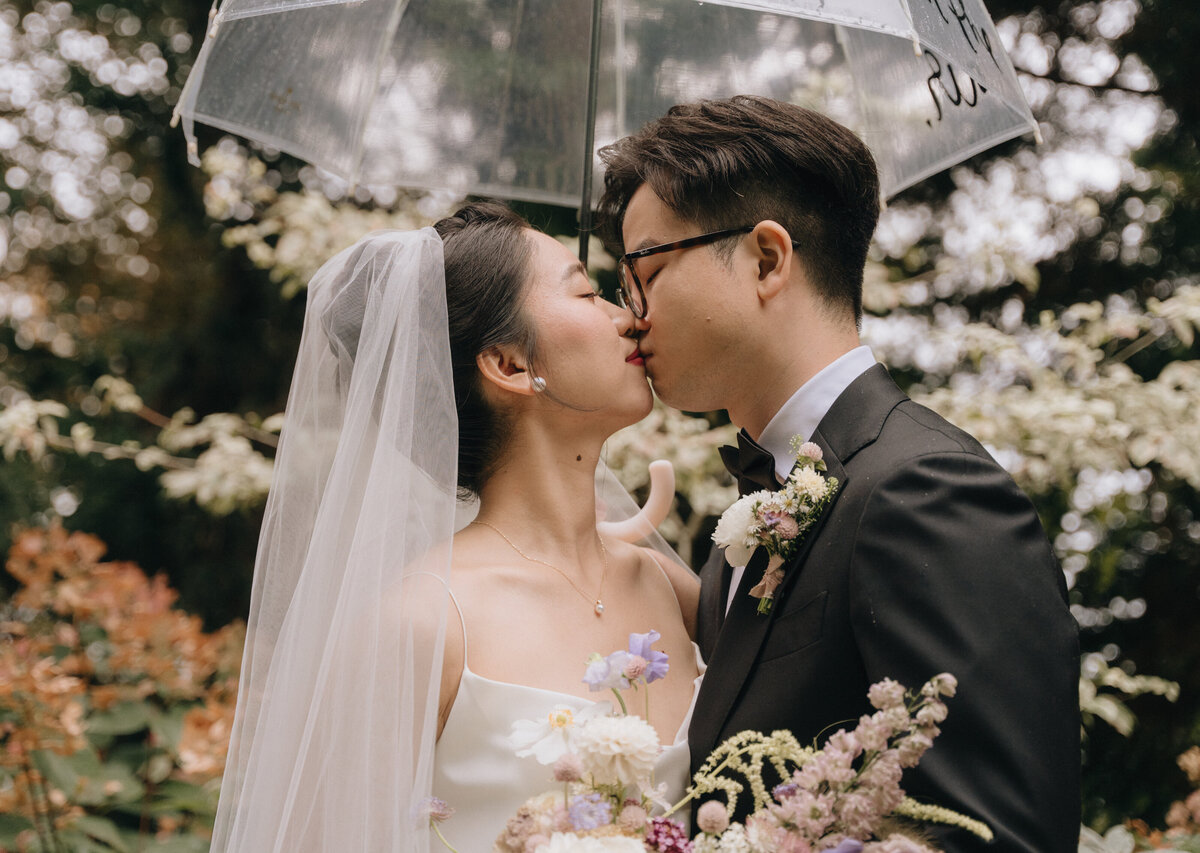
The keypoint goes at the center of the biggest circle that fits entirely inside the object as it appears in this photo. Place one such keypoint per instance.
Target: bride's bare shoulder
(684, 582)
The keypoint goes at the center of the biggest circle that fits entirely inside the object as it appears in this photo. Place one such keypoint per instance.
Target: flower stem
(433, 825)
(621, 699)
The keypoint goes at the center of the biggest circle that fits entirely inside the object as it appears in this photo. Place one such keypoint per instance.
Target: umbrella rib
(589, 137)
(389, 33)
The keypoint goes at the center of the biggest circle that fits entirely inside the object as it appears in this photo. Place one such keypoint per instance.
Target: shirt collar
(804, 410)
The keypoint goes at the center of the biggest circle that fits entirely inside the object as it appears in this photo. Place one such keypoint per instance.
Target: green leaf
(63, 771)
(79, 842)
(123, 719)
(12, 825)
(167, 726)
(101, 830)
(175, 844)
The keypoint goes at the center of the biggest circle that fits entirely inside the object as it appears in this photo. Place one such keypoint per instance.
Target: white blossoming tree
(1046, 298)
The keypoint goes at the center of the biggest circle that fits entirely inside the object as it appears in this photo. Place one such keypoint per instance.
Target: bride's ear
(506, 370)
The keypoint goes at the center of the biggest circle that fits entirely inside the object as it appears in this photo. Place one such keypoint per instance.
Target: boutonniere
(777, 521)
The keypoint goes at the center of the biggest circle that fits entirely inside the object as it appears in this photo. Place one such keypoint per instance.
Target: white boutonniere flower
(777, 521)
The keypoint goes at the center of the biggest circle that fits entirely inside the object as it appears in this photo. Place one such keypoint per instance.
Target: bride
(393, 639)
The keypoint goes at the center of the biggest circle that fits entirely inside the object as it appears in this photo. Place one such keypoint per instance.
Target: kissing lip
(635, 357)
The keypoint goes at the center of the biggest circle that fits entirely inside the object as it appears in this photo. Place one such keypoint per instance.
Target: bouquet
(844, 797)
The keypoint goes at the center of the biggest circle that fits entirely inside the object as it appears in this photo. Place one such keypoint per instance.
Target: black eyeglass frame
(626, 270)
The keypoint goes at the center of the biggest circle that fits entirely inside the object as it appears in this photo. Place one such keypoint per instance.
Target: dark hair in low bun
(487, 263)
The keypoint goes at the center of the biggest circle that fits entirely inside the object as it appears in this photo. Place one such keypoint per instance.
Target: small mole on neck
(579, 458)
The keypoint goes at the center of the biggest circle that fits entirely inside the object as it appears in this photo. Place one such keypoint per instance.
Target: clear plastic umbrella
(512, 97)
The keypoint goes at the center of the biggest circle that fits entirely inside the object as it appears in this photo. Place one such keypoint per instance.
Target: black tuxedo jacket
(929, 560)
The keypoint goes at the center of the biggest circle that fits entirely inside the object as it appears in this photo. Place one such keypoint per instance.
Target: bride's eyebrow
(573, 270)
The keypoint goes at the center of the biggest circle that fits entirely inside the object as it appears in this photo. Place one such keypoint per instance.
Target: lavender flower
(435, 809)
(656, 662)
(607, 673)
(590, 811)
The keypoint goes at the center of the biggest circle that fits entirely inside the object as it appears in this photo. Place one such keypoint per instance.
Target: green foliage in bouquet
(115, 707)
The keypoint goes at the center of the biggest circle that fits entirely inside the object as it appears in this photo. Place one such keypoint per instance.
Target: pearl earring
(538, 383)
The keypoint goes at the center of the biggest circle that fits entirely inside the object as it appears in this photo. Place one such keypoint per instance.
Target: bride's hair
(487, 263)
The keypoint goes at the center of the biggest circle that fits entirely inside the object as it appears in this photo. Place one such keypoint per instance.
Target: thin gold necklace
(597, 603)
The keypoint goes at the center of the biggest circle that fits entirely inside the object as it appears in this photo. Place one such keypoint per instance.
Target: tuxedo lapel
(744, 629)
(710, 612)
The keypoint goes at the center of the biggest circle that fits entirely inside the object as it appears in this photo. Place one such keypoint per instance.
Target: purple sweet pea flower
(849, 845)
(656, 662)
(589, 811)
(607, 673)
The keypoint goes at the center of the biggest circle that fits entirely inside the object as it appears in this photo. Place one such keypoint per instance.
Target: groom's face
(693, 323)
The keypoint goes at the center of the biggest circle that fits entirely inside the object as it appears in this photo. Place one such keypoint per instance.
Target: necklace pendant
(599, 607)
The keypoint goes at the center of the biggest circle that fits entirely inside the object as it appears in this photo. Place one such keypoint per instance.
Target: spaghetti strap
(462, 623)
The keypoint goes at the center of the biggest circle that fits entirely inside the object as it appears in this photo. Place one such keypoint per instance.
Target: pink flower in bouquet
(634, 667)
(712, 817)
(873, 732)
(912, 747)
(882, 778)
(568, 768)
(857, 814)
(943, 684)
(886, 694)
(632, 817)
(809, 812)
(667, 836)
(931, 714)
(436, 809)
(812, 451)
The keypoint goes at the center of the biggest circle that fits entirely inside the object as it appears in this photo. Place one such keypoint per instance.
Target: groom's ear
(504, 369)
(774, 259)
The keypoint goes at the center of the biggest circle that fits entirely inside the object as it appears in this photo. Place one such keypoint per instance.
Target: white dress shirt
(800, 415)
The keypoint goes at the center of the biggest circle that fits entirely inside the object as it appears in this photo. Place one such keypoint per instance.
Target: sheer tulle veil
(333, 738)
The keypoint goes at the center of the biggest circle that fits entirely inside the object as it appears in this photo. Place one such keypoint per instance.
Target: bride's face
(585, 349)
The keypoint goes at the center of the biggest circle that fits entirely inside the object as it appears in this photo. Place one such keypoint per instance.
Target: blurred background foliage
(1046, 298)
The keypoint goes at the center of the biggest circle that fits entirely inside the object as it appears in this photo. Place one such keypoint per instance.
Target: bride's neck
(543, 490)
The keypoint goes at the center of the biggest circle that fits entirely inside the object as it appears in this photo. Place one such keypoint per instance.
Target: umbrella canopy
(492, 96)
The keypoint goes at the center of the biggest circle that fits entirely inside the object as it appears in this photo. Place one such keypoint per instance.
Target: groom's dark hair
(733, 162)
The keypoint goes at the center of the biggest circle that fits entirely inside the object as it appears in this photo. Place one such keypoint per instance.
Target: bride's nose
(622, 318)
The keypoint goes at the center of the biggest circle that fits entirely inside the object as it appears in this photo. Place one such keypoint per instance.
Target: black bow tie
(751, 465)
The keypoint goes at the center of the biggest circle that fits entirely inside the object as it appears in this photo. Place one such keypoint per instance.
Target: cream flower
(552, 737)
(810, 483)
(733, 530)
(569, 842)
(617, 750)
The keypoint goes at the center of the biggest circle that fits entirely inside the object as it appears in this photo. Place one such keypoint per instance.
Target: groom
(744, 227)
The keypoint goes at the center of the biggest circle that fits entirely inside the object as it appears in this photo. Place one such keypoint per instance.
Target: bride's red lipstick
(635, 357)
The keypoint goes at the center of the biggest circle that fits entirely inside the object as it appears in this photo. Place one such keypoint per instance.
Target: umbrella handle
(658, 504)
(589, 142)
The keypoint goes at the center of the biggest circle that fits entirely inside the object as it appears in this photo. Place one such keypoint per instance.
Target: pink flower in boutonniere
(778, 520)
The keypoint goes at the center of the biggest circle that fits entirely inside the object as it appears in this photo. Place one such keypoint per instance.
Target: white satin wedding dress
(476, 771)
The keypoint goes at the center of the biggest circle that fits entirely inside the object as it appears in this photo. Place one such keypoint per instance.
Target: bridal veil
(332, 745)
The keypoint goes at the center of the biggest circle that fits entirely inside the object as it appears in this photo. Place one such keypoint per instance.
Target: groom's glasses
(632, 295)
